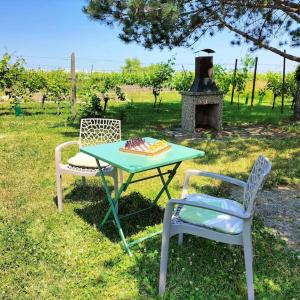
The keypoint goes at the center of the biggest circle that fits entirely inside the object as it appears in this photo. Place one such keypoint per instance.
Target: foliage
(132, 65)
(120, 94)
(290, 85)
(36, 81)
(183, 80)
(159, 77)
(21, 83)
(241, 76)
(91, 107)
(12, 76)
(182, 23)
(274, 83)
(261, 94)
(222, 78)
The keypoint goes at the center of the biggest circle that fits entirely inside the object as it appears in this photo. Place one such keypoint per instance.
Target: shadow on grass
(131, 225)
(204, 269)
(70, 134)
(96, 205)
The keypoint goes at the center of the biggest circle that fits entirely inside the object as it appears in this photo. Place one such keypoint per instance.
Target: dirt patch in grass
(257, 131)
(280, 210)
(242, 131)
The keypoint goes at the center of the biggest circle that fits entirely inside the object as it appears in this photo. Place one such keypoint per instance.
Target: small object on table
(140, 146)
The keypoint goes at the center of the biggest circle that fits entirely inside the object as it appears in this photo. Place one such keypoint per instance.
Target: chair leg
(59, 192)
(248, 256)
(164, 263)
(116, 186)
(180, 239)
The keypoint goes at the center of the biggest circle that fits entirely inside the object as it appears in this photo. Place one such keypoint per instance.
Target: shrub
(91, 107)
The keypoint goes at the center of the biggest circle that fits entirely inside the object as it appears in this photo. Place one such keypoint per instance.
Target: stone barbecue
(202, 106)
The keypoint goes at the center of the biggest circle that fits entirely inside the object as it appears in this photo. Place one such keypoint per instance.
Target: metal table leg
(114, 202)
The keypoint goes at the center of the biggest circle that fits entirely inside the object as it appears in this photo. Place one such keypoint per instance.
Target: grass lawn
(51, 255)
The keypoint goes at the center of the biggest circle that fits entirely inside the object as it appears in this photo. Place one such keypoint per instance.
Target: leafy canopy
(132, 65)
(173, 23)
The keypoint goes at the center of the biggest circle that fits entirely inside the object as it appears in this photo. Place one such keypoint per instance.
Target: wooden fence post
(283, 85)
(254, 80)
(233, 83)
(73, 85)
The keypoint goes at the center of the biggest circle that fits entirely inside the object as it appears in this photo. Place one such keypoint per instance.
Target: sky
(46, 32)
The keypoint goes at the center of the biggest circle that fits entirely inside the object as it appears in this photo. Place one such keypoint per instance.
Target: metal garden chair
(218, 219)
(92, 131)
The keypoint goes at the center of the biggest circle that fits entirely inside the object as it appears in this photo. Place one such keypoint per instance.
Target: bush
(91, 107)
(182, 81)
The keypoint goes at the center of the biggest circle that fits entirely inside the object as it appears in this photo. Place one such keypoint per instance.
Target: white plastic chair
(241, 217)
(92, 131)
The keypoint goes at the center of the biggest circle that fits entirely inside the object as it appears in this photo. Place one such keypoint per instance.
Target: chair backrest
(255, 182)
(99, 131)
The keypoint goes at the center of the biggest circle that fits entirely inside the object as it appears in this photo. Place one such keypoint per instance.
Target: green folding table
(133, 164)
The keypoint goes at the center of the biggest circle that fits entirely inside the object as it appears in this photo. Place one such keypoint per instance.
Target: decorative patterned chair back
(260, 170)
(99, 131)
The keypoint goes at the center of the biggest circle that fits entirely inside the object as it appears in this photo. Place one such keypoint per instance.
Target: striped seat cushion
(211, 219)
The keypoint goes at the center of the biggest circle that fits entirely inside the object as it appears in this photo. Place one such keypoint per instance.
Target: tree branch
(258, 42)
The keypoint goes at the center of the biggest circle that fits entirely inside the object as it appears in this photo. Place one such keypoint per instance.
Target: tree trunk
(297, 103)
(159, 103)
(247, 99)
(58, 108)
(105, 103)
(274, 100)
(155, 98)
(43, 101)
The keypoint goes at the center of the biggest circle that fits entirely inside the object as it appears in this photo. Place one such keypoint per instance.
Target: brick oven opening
(206, 116)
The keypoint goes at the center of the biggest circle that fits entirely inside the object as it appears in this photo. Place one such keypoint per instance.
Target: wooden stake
(254, 80)
(233, 83)
(73, 85)
(283, 85)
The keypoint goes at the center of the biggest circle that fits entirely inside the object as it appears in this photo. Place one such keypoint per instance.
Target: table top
(134, 163)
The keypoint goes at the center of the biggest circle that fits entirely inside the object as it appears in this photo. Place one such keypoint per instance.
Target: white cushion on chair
(85, 161)
(212, 219)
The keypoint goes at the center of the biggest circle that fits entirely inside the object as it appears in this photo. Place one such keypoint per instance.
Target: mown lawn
(51, 255)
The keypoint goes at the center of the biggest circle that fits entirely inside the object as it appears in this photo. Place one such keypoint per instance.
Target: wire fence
(89, 64)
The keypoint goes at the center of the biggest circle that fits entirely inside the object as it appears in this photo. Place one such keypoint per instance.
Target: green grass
(47, 255)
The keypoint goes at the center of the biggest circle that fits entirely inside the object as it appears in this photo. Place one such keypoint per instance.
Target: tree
(172, 23)
(156, 79)
(223, 78)
(132, 65)
(182, 81)
(35, 81)
(274, 84)
(57, 87)
(12, 76)
(241, 77)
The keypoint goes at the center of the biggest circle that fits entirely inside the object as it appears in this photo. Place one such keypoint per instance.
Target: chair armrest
(216, 176)
(203, 205)
(191, 172)
(60, 147)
